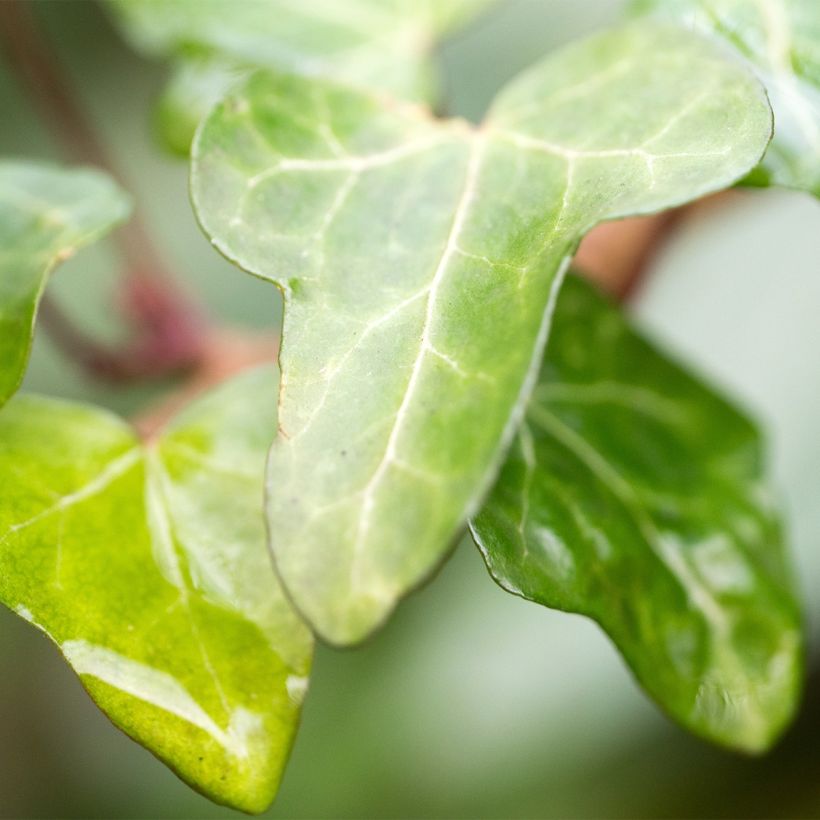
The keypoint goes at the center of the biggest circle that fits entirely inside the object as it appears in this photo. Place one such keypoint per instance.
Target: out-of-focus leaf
(634, 495)
(380, 44)
(418, 260)
(196, 84)
(781, 40)
(147, 566)
(47, 213)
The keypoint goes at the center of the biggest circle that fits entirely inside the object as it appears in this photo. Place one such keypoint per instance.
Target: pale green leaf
(418, 260)
(635, 495)
(379, 44)
(47, 213)
(196, 84)
(147, 566)
(781, 40)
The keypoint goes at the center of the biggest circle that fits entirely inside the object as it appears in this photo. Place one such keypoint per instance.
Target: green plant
(420, 261)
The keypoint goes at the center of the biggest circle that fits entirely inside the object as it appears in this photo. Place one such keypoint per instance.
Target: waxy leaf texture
(635, 495)
(419, 260)
(781, 41)
(47, 213)
(146, 564)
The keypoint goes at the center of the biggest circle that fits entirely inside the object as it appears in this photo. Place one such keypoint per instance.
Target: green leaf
(197, 83)
(379, 44)
(634, 495)
(418, 260)
(781, 40)
(147, 566)
(47, 213)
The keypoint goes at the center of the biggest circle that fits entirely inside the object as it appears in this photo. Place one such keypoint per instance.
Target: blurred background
(471, 703)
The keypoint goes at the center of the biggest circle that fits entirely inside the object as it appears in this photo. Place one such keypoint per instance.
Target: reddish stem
(619, 255)
(169, 329)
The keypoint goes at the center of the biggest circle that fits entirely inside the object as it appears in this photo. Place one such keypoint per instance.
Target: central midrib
(468, 191)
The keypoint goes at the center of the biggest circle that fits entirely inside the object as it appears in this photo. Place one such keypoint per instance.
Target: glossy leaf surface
(380, 44)
(418, 261)
(635, 495)
(147, 566)
(781, 39)
(47, 213)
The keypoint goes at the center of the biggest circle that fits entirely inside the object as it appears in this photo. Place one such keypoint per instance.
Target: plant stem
(169, 329)
(619, 255)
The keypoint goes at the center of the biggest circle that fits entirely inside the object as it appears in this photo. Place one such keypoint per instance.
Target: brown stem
(163, 346)
(169, 329)
(618, 255)
(227, 352)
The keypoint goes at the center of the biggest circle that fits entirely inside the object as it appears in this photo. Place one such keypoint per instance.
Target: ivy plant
(46, 215)
(381, 45)
(423, 265)
(145, 562)
(780, 39)
(404, 246)
(635, 495)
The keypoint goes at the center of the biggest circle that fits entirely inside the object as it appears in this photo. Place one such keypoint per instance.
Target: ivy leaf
(147, 566)
(418, 261)
(384, 45)
(47, 213)
(781, 41)
(197, 82)
(634, 495)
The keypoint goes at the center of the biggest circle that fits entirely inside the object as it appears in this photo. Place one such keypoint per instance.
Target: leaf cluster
(423, 265)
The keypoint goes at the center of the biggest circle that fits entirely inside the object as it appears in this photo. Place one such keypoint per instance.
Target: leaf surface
(147, 566)
(634, 495)
(781, 40)
(418, 261)
(47, 213)
(380, 44)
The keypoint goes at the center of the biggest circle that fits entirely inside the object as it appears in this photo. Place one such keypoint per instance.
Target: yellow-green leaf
(146, 564)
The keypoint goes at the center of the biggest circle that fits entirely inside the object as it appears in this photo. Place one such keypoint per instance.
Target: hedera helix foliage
(405, 246)
(780, 39)
(635, 495)
(383, 45)
(421, 262)
(46, 215)
(146, 564)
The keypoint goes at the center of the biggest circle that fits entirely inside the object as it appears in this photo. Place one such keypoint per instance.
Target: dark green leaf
(635, 495)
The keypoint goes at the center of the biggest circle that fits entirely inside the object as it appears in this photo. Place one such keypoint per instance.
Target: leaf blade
(401, 251)
(47, 213)
(147, 566)
(781, 41)
(634, 496)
